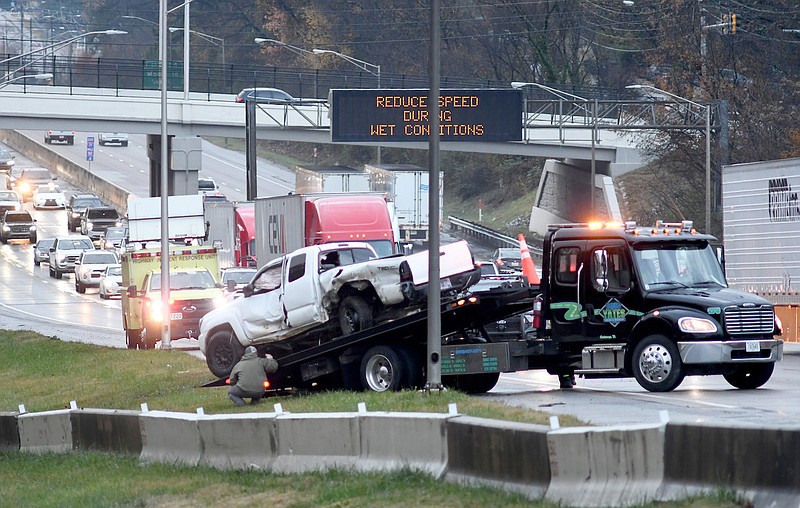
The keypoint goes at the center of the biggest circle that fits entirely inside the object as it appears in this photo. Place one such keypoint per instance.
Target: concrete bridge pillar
(565, 195)
(185, 160)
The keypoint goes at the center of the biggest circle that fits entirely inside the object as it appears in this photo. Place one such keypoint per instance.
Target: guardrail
(489, 235)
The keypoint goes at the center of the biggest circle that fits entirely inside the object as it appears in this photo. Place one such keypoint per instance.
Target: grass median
(45, 373)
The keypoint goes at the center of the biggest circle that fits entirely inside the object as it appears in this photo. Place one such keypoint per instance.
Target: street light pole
(708, 142)
(52, 48)
(566, 96)
(361, 64)
(46, 75)
(209, 38)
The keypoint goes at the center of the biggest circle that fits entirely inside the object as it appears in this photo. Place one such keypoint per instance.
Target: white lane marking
(243, 170)
(58, 321)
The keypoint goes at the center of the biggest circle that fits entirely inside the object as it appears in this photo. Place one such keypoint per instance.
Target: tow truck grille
(749, 320)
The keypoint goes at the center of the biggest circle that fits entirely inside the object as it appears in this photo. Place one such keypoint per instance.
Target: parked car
(6, 160)
(112, 138)
(17, 225)
(65, 253)
(67, 137)
(96, 219)
(41, 251)
(76, 205)
(90, 267)
(49, 196)
(9, 200)
(267, 95)
(29, 179)
(110, 282)
(508, 260)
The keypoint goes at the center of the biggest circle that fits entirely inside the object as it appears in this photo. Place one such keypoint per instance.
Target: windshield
(8, 196)
(86, 203)
(18, 217)
(382, 247)
(100, 258)
(662, 266)
(237, 276)
(184, 280)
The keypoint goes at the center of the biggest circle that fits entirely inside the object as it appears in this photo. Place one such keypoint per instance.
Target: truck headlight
(6, 228)
(89, 226)
(697, 325)
(75, 215)
(32, 229)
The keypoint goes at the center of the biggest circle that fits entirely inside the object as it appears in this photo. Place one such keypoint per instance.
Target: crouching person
(248, 376)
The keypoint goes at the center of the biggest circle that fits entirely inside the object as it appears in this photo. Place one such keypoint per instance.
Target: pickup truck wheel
(382, 369)
(472, 383)
(80, 288)
(657, 364)
(750, 376)
(222, 352)
(133, 338)
(355, 315)
(58, 274)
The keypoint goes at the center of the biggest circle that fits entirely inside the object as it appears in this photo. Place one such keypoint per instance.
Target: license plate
(752, 346)
(175, 316)
(446, 284)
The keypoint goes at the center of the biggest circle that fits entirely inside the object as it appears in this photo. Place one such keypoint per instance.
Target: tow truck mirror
(247, 290)
(132, 291)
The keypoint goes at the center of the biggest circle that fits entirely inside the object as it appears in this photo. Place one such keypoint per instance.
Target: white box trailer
(221, 221)
(313, 179)
(407, 185)
(761, 228)
(186, 218)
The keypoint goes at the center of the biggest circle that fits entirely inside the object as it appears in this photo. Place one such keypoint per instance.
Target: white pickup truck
(321, 292)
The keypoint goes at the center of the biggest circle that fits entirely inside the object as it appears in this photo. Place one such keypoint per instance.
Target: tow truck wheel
(355, 315)
(657, 364)
(382, 369)
(133, 338)
(223, 352)
(414, 375)
(750, 376)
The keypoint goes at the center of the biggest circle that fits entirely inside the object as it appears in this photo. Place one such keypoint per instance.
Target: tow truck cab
(618, 300)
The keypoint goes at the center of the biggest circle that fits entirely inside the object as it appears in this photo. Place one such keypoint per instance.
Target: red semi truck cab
(245, 235)
(287, 223)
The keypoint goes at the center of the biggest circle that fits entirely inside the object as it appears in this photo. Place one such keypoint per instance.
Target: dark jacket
(251, 372)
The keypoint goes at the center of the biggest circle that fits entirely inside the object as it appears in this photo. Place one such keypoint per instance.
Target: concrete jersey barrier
(585, 466)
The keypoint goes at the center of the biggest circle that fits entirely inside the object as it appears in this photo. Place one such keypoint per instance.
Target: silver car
(41, 251)
(90, 268)
(110, 282)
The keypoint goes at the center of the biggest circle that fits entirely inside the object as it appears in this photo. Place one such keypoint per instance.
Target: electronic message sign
(359, 115)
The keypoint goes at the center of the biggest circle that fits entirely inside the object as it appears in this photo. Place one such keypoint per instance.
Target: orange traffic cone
(528, 269)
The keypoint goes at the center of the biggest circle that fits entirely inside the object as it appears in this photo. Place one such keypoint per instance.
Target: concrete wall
(66, 169)
(615, 466)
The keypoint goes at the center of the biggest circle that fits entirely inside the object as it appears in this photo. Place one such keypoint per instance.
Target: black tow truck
(615, 300)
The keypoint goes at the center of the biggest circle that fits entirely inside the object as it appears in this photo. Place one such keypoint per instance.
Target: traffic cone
(528, 268)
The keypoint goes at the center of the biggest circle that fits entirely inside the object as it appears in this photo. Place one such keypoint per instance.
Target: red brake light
(266, 384)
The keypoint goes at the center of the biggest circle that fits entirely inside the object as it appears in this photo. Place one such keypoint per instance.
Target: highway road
(31, 300)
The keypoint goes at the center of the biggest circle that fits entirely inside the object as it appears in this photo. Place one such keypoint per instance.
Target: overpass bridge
(577, 141)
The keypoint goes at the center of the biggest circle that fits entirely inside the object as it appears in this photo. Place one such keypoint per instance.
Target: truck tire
(382, 369)
(355, 314)
(58, 274)
(750, 376)
(657, 364)
(133, 338)
(150, 336)
(223, 352)
(80, 288)
(472, 383)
